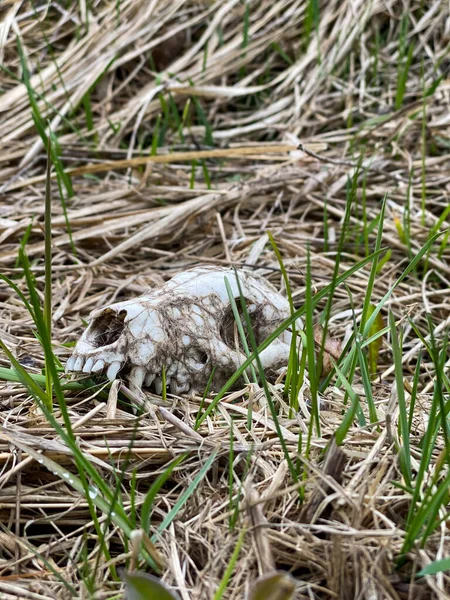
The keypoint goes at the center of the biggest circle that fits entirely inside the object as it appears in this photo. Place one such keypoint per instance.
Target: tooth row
(76, 364)
(138, 375)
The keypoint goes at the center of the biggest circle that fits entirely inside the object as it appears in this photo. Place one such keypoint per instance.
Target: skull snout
(120, 337)
(98, 348)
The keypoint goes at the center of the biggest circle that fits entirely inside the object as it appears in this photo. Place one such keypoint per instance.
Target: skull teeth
(79, 362)
(88, 365)
(70, 364)
(98, 366)
(158, 385)
(137, 376)
(149, 379)
(113, 369)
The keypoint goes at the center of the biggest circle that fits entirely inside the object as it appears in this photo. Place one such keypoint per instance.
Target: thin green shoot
(155, 136)
(310, 348)
(365, 233)
(366, 380)
(423, 147)
(298, 464)
(48, 267)
(279, 50)
(205, 57)
(407, 214)
(404, 67)
(147, 505)
(349, 417)
(133, 512)
(231, 471)
(325, 227)
(201, 116)
(405, 451)
(435, 567)
(405, 55)
(185, 496)
(230, 567)
(373, 349)
(206, 174)
(354, 361)
(384, 260)
(164, 383)
(311, 22)
(192, 177)
(177, 122)
(373, 271)
(86, 100)
(198, 419)
(444, 243)
(246, 25)
(39, 121)
(24, 241)
(291, 384)
(414, 389)
(436, 227)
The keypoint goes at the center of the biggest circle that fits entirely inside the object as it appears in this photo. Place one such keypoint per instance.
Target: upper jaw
(92, 361)
(137, 376)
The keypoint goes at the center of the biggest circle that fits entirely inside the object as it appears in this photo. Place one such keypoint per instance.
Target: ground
(184, 133)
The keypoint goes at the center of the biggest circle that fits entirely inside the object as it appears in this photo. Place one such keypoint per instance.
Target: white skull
(185, 326)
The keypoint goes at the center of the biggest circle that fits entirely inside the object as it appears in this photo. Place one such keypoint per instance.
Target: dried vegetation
(236, 87)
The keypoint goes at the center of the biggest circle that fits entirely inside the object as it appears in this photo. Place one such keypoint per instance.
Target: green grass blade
(405, 451)
(291, 383)
(185, 495)
(435, 567)
(310, 348)
(147, 505)
(403, 78)
(48, 262)
(349, 417)
(230, 567)
(367, 384)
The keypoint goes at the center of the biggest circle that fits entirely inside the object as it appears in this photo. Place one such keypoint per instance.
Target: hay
(289, 118)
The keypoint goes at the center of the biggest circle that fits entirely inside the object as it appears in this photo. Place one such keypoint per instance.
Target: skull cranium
(185, 326)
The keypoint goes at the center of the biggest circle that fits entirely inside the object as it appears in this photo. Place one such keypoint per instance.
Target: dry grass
(137, 219)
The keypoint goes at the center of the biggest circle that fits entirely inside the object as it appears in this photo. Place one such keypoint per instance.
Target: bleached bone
(185, 326)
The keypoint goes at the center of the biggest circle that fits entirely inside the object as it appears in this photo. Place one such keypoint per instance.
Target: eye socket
(107, 328)
(227, 330)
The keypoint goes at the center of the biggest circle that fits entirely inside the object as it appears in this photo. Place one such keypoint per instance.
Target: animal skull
(185, 326)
